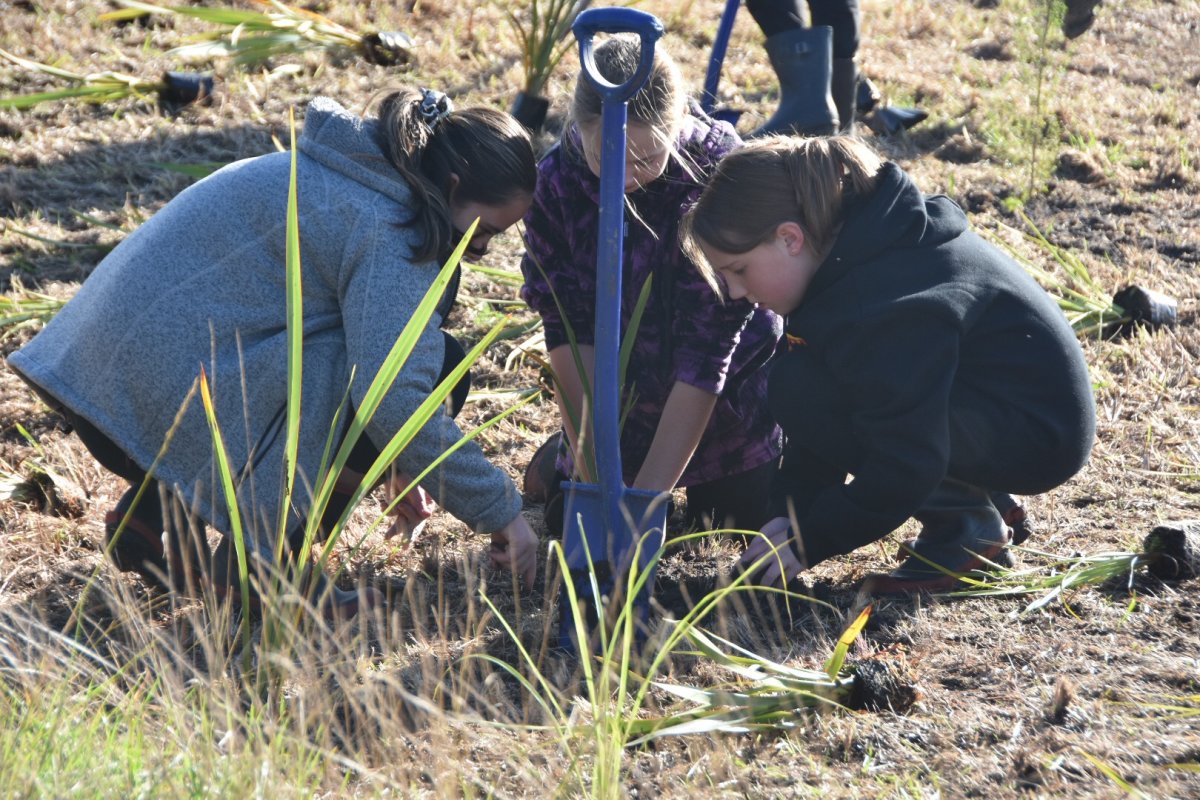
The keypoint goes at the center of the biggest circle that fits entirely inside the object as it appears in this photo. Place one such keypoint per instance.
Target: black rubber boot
(843, 86)
(803, 61)
(961, 531)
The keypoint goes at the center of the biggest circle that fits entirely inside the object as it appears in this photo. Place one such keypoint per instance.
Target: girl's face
(646, 153)
(492, 220)
(774, 274)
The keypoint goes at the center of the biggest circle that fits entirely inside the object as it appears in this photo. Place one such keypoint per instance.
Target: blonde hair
(781, 179)
(661, 102)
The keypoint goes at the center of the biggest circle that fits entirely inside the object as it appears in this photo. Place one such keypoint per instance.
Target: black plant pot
(184, 88)
(530, 110)
(1145, 308)
(388, 49)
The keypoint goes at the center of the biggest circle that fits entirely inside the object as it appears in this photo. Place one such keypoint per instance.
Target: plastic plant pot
(1143, 308)
(530, 110)
(181, 89)
(388, 49)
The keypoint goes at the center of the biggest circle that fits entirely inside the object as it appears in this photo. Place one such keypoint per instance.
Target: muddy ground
(1104, 164)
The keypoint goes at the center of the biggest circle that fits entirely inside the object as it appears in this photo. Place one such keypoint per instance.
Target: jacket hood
(349, 144)
(896, 216)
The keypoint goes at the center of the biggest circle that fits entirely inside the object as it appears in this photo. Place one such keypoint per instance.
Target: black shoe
(962, 532)
(542, 475)
(168, 553)
(867, 96)
(134, 541)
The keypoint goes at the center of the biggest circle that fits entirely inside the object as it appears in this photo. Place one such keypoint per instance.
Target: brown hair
(781, 179)
(488, 150)
(661, 101)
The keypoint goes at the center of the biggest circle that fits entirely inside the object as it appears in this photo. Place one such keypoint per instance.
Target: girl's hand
(781, 564)
(515, 547)
(412, 510)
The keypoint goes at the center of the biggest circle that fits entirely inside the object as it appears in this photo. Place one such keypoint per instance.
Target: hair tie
(435, 107)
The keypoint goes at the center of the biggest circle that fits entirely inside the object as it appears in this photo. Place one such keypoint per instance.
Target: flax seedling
(92, 87)
(250, 37)
(765, 694)
(619, 677)
(1052, 580)
(585, 461)
(542, 31)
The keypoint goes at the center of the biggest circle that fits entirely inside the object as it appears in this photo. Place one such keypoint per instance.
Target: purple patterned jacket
(686, 334)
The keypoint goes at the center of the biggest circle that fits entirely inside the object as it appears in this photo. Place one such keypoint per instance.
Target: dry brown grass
(1008, 702)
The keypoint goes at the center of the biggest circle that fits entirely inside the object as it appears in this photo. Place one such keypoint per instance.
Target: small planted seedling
(1170, 551)
(768, 695)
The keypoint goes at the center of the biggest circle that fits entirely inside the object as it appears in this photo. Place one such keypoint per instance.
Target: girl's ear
(454, 181)
(793, 237)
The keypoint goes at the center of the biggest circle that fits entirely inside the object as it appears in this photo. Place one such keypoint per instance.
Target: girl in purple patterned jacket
(696, 376)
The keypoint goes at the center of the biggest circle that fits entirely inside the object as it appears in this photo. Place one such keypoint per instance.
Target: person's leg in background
(1079, 17)
(845, 18)
(802, 59)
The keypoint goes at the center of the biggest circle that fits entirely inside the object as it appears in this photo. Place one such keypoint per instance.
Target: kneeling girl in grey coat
(201, 285)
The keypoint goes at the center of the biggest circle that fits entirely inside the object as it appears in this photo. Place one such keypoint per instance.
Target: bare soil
(1007, 703)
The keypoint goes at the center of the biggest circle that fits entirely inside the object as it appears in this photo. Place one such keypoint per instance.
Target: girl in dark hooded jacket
(920, 360)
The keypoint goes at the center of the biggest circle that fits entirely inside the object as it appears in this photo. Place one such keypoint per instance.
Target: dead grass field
(1010, 703)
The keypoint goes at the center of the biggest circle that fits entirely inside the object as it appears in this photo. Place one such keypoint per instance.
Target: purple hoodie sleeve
(706, 333)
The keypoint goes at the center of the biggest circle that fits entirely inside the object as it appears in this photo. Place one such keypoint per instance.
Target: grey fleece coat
(201, 286)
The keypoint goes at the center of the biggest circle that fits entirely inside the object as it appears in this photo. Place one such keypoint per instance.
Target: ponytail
(430, 143)
(811, 182)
